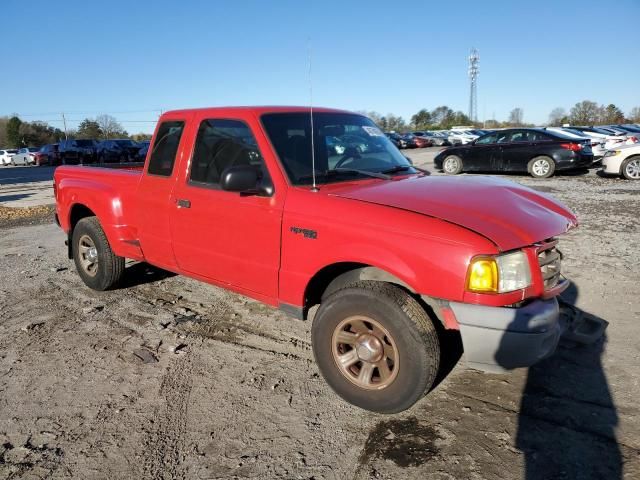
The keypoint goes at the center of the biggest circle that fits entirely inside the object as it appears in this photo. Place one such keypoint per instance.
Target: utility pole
(474, 70)
(64, 122)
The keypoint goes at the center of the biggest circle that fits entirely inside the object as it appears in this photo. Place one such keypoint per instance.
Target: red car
(252, 200)
(47, 155)
(422, 142)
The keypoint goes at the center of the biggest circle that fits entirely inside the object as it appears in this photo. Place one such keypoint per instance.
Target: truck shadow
(140, 273)
(567, 418)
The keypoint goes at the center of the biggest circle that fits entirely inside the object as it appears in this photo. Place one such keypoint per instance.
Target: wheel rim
(541, 167)
(450, 164)
(633, 169)
(88, 255)
(365, 353)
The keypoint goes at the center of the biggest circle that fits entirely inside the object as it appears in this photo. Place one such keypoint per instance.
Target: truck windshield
(343, 144)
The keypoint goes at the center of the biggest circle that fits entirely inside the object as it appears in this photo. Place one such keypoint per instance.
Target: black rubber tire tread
(411, 327)
(460, 165)
(552, 170)
(623, 167)
(110, 265)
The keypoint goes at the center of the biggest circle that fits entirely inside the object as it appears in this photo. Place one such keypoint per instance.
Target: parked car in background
(397, 139)
(144, 148)
(430, 137)
(117, 150)
(335, 146)
(409, 140)
(534, 150)
(597, 144)
(442, 138)
(25, 156)
(461, 137)
(48, 155)
(6, 155)
(77, 151)
(624, 161)
(612, 140)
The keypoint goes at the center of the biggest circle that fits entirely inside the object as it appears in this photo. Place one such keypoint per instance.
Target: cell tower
(474, 70)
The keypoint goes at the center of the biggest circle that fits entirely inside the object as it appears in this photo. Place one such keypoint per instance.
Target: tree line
(443, 118)
(16, 133)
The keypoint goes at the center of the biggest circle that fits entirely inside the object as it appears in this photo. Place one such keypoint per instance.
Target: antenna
(314, 187)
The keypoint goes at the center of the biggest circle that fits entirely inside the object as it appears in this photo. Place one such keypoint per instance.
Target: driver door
(227, 237)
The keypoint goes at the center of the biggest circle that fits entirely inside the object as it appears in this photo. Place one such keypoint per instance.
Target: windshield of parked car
(33, 149)
(343, 143)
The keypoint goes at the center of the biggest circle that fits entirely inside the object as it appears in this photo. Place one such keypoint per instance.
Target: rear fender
(106, 203)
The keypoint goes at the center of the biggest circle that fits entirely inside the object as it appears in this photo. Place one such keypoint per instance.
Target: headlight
(500, 274)
(611, 153)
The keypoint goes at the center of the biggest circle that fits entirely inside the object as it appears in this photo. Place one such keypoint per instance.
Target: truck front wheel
(376, 346)
(98, 267)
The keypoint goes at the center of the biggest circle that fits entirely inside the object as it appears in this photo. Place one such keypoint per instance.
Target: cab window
(165, 147)
(221, 144)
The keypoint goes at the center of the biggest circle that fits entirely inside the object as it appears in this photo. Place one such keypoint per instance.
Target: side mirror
(240, 178)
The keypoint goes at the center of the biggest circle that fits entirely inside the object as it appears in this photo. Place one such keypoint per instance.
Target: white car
(6, 155)
(598, 145)
(461, 137)
(612, 140)
(25, 156)
(623, 161)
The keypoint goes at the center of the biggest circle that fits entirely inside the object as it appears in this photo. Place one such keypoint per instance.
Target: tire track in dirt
(165, 446)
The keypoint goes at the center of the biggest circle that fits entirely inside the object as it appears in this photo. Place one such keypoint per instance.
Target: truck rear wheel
(376, 346)
(98, 267)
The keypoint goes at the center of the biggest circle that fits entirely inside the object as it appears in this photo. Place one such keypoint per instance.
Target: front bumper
(611, 164)
(496, 339)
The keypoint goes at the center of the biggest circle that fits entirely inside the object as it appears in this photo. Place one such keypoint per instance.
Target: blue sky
(133, 58)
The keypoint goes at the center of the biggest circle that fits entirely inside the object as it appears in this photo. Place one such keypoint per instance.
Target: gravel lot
(172, 378)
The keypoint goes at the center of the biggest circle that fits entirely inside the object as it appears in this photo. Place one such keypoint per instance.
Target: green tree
(139, 137)
(89, 129)
(441, 115)
(13, 132)
(421, 120)
(585, 113)
(612, 115)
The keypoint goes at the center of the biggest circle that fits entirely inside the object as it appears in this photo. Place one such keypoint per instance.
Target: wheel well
(78, 212)
(334, 277)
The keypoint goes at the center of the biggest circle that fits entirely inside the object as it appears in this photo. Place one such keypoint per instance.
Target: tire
(452, 165)
(108, 266)
(406, 341)
(541, 167)
(630, 168)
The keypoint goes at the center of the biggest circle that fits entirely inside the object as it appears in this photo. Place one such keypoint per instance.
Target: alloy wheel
(632, 169)
(88, 255)
(365, 353)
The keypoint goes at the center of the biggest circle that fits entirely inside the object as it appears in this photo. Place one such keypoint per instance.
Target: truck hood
(508, 214)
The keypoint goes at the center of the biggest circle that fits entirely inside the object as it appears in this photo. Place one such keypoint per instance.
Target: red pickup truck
(297, 209)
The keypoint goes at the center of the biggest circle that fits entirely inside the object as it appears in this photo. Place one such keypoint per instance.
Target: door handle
(183, 203)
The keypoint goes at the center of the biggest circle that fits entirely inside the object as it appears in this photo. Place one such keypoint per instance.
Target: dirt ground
(171, 378)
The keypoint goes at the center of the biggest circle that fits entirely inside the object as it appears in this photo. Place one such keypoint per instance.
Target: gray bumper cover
(496, 339)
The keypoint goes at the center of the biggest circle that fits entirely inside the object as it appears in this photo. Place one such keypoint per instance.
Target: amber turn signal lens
(483, 275)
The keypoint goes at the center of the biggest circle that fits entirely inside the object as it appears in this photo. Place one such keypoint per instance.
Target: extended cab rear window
(165, 147)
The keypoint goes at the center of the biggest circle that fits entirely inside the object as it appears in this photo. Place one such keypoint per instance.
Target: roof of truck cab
(258, 110)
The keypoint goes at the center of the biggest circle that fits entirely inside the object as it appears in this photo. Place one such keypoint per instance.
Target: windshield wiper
(404, 168)
(335, 171)
(381, 175)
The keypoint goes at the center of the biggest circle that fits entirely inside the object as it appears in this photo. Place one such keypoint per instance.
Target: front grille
(549, 259)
